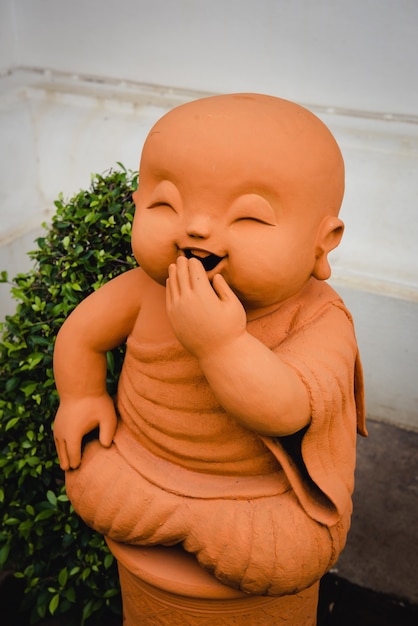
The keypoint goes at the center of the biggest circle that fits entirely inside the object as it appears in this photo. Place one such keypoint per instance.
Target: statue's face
(221, 190)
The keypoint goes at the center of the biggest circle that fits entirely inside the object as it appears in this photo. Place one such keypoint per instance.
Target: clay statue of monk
(234, 428)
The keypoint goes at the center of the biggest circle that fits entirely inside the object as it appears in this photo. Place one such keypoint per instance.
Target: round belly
(173, 413)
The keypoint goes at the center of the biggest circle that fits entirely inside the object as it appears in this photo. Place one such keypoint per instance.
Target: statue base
(165, 586)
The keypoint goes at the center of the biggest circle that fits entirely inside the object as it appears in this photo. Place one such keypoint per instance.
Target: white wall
(8, 33)
(356, 54)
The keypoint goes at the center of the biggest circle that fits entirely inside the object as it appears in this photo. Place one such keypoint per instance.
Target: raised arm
(100, 323)
(249, 380)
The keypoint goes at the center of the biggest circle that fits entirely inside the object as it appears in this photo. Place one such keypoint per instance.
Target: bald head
(251, 137)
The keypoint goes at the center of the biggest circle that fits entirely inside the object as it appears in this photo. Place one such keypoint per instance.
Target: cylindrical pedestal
(167, 587)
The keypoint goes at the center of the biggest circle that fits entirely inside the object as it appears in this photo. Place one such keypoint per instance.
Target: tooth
(200, 253)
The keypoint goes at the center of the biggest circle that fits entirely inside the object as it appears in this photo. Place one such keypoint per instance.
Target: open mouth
(208, 260)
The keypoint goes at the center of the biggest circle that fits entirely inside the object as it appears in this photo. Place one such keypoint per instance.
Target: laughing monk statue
(233, 433)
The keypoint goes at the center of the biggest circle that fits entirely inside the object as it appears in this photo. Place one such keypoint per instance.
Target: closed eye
(157, 205)
(257, 220)
(253, 208)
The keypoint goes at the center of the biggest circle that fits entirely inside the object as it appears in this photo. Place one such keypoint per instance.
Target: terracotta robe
(265, 515)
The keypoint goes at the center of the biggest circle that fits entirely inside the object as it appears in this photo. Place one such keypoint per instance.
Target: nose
(199, 226)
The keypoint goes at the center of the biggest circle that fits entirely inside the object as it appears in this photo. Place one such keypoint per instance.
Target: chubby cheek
(268, 270)
(254, 277)
(154, 250)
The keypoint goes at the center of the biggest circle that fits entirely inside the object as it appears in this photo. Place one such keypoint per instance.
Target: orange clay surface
(233, 433)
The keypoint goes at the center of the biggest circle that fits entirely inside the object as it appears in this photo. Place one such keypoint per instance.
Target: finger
(73, 450)
(168, 296)
(62, 455)
(172, 272)
(173, 282)
(222, 289)
(172, 291)
(198, 276)
(106, 432)
(172, 285)
(183, 274)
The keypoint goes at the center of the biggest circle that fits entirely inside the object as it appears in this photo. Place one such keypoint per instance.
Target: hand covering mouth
(207, 259)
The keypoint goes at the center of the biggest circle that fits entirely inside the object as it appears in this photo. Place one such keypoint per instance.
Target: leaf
(32, 461)
(4, 553)
(87, 611)
(34, 359)
(51, 497)
(53, 605)
(11, 423)
(63, 577)
(29, 388)
(12, 383)
(108, 560)
(70, 595)
(46, 514)
(25, 525)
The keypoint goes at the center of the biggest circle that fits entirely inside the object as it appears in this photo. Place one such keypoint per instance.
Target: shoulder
(130, 285)
(318, 293)
(317, 308)
(121, 296)
(316, 301)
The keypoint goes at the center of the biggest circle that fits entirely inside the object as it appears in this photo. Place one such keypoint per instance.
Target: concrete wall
(358, 54)
(74, 100)
(8, 34)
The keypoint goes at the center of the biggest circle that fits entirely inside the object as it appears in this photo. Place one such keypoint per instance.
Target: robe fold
(265, 515)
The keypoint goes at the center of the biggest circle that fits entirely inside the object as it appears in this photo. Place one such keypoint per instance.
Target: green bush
(64, 567)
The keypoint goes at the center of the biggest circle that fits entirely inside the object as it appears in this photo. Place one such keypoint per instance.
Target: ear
(328, 237)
